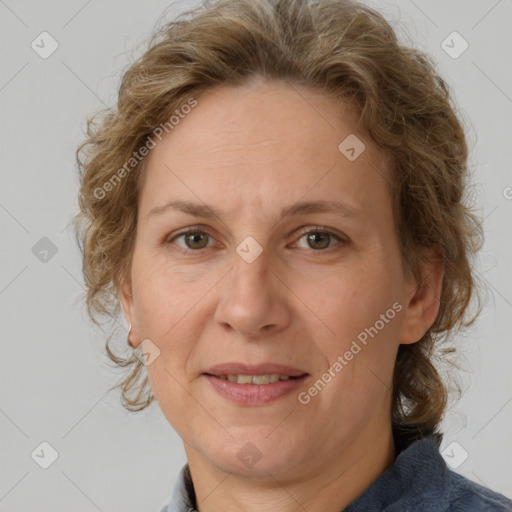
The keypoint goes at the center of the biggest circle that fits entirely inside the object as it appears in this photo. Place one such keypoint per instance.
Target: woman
(276, 207)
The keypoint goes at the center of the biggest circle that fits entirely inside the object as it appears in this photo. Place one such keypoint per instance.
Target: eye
(193, 239)
(320, 238)
(317, 238)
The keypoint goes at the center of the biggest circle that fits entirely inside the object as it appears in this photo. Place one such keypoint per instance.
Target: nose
(254, 300)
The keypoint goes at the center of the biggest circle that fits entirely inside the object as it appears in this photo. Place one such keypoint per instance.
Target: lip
(259, 369)
(254, 394)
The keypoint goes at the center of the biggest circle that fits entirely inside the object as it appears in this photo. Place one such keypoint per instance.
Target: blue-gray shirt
(418, 481)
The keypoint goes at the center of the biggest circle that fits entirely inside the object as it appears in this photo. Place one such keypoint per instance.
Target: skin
(250, 151)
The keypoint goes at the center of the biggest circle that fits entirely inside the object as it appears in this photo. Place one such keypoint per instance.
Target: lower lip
(254, 394)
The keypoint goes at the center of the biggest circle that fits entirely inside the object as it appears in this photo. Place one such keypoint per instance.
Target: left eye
(317, 239)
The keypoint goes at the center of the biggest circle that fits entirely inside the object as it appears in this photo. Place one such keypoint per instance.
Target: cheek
(162, 296)
(170, 307)
(360, 321)
(359, 358)
(164, 304)
(350, 303)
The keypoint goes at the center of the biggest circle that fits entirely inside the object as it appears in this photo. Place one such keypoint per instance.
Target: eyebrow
(299, 208)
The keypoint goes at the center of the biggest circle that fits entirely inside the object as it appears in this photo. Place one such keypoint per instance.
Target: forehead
(260, 139)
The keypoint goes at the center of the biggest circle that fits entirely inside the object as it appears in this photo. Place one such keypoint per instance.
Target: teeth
(261, 379)
(255, 379)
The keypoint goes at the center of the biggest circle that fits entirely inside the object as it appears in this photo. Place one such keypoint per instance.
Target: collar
(417, 480)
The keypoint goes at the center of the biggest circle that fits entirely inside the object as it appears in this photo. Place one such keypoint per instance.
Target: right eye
(193, 239)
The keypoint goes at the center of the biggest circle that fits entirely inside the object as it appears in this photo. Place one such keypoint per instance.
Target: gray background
(54, 376)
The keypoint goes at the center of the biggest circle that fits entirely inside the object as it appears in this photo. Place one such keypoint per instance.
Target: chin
(256, 456)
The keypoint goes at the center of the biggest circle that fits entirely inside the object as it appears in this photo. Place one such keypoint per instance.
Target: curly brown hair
(339, 47)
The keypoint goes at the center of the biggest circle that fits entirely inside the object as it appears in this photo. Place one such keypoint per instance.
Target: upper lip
(249, 369)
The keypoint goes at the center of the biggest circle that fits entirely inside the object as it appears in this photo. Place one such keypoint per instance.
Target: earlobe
(127, 305)
(424, 299)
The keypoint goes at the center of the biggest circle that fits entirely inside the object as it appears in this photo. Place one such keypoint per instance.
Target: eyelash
(310, 229)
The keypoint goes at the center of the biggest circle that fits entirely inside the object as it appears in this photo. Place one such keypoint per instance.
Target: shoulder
(426, 483)
(432, 481)
(464, 495)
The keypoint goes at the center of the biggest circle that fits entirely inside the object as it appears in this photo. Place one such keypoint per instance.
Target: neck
(328, 486)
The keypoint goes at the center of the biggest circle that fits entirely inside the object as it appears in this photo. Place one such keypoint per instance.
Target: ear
(128, 307)
(423, 298)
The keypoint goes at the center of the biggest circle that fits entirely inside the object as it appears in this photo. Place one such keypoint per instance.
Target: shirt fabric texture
(418, 481)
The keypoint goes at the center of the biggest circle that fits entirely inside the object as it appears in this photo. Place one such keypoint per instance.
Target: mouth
(268, 378)
(254, 385)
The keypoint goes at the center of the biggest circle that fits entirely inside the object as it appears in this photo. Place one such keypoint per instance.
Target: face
(271, 287)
